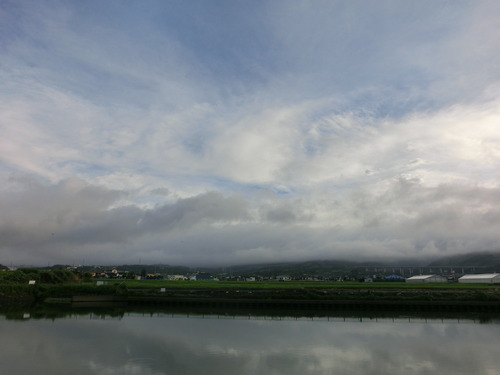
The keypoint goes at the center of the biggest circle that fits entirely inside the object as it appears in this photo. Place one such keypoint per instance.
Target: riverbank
(460, 300)
(289, 295)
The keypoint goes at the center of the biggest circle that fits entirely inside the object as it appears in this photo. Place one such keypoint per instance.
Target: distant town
(444, 270)
(384, 274)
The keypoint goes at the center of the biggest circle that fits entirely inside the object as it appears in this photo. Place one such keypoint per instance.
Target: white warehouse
(486, 278)
(427, 279)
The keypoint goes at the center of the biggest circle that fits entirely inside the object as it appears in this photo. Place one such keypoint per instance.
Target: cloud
(165, 343)
(36, 212)
(279, 150)
(73, 219)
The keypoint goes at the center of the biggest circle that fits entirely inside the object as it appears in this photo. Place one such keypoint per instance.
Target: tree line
(55, 276)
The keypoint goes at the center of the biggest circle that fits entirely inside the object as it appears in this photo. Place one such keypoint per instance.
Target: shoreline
(362, 302)
(360, 297)
(492, 306)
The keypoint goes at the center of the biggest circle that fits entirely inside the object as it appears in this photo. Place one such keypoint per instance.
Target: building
(283, 278)
(203, 276)
(176, 277)
(427, 279)
(395, 278)
(485, 278)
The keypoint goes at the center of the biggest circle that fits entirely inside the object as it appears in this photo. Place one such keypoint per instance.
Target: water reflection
(172, 343)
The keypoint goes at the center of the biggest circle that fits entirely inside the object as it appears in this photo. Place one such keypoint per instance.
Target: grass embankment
(313, 290)
(266, 290)
(40, 292)
(293, 285)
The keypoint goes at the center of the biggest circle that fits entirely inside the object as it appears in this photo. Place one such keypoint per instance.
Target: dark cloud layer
(73, 220)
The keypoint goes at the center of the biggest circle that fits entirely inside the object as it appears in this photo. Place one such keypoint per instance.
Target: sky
(230, 132)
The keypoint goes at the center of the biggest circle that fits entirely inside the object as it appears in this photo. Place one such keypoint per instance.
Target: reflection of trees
(485, 320)
(52, 312)
(117, 311)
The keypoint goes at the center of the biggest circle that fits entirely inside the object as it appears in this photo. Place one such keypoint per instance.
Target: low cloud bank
(73, 222)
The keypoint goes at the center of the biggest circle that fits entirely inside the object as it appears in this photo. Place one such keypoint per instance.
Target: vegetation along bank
(64, 286)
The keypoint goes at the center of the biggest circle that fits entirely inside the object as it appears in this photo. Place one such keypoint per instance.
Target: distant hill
(484, 261)
(491, 260)
(317, 268)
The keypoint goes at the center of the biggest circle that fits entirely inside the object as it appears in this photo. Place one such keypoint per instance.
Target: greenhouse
(487, 278)
(427, 279)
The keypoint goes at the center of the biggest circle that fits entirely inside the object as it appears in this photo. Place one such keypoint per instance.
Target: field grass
(182, 287)
(234, 285)
(269, 290)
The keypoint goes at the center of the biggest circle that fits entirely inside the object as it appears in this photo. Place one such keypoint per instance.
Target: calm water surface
(162, 343)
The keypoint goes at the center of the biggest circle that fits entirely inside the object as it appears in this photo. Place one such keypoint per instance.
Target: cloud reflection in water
(146, 345)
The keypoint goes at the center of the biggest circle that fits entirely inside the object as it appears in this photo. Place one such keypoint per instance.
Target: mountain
(488, 260)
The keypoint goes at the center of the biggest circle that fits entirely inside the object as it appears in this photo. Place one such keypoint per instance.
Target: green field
(56, 284)
(265, 290)
(302, 290)
(231, 285)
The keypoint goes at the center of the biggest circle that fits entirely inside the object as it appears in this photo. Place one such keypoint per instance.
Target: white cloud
(310, 138)
(74, 219)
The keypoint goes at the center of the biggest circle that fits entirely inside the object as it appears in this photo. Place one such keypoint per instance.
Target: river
(182, 343)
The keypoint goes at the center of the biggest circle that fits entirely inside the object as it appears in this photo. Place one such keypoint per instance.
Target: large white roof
(420, 277)
(481, 276)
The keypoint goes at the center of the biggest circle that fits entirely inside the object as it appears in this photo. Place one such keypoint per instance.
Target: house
(485, 278)
(427, 279)
(283, 278)
(202, 276)
(110, 274)
(176, 277)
